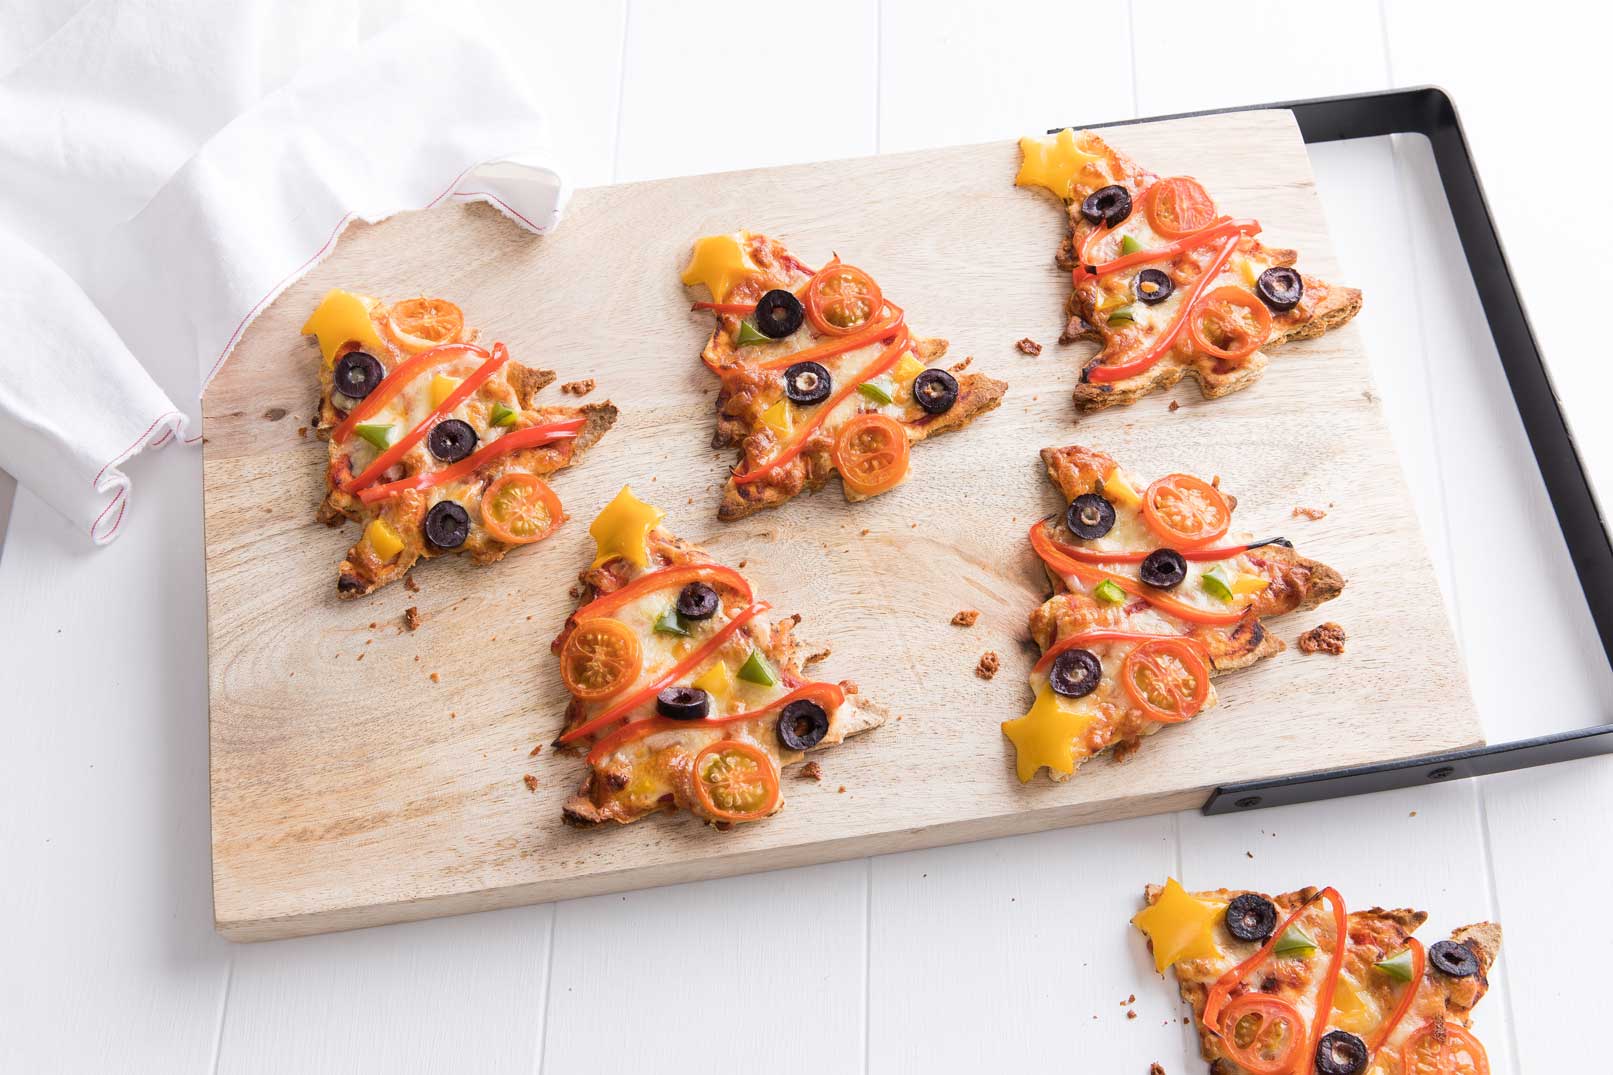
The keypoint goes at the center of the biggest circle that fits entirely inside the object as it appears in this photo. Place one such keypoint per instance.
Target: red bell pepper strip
(886, 360)
(1419, 964)
(1219, 229)
(1091, 575)
(387, 459)
(1335, 964)
(395, 382)
(530, 437)
(1163, 343)
(828, 695)
(665, 577)
(1087, 638)
(1105, 556)
(667, 678)
(883, 329)
(739, 308)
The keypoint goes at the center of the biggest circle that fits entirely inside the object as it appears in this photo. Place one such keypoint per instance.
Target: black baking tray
(1429, 111)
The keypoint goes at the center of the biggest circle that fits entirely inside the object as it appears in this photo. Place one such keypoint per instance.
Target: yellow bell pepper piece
(717, 681)
(1119, 490)
(1246, 584)
(383, 539)
(442, 386)
(778, 419)
(907, 369)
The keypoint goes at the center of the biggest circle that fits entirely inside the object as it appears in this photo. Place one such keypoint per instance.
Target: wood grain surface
(349, 788)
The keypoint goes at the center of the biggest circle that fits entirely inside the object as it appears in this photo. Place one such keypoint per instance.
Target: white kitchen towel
(164, 174)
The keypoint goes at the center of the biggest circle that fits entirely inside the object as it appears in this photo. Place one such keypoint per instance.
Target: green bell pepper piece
(1122, 315)
(1109, 593)
(1215, 583)
(749, 333)
(1295, 942)
(377, 433)
(757, 670)
(879, 390)
(1128, 245)
(671, 623)
(502, 415)
(1397, 966)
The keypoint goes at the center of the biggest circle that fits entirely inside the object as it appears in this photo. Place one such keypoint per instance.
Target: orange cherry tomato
(519, 509)
(1443, 1048)
(1185, 511)
(841, 299)
(601, 658)
(1178, 207)
(1229, 324)
(871, 453)
(735, 781)
(1263, 1034)
(1167, 678)
(422, 323)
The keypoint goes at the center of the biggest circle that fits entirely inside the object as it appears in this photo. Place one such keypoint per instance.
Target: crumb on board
(1309, 513)
(535, 751)
(742, 564)
(1174, 407)
(811, 771)
(1131, 1013)
(959, 367)
(411, 618)
(578, 388)
(989, 663)
(1028, 346)
(435, 678)
(302, 431)
(966, 617)
(842, 790)
(1323, 638)
(274, 414)
(1156, 1068)
(1129, 1000)
(410, 584)
(530, 781)
(1249, 854)
(1413, 814)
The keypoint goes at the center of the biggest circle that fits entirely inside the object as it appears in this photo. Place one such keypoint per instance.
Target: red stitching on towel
(115, 498)
(97, 479)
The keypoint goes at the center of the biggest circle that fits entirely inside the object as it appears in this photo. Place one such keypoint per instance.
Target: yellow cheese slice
(344, 317)
(623, 529)
(778, 419)
(1354, 1008)
(1180, 925)
(1245, 584)
(1119, 490)
(720, 262)
(1046, 735)
(717, 681)
(907, 369)
(1053, 162)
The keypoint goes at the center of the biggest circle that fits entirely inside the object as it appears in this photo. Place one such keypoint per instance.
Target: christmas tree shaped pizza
(1167, 283)
(436, 445)
(682, 695)
(1296, 983)
(820, 374)
(1152, 598)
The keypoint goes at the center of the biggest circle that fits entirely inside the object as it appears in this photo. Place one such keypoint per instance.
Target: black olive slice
(1452, 959)
(1090, 516)
(1280, 288)
(1108, 205)
(778, 314)
(1251, 917)
(357, 374)
(683, 703)
(1163, 568)
(1341, 1053)
(935, 390)
(451, 440)
(447, 524)
(807, 382)
(697, 601)
(1075, 673)
(802, 724)
(1153, 286)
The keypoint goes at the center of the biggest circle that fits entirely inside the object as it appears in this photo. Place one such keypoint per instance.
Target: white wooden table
(1000, 955)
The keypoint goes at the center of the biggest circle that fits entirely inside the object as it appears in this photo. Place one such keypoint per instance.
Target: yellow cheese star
(720, 262)
(343, 317)
(1046, 735)
(1180, 926)
(623, 529)
(1053, 162)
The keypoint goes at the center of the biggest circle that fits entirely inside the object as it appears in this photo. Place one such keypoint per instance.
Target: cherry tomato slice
(1167, 679)
(421, 323)
(1263, 1034)
(1185, 511)
(735, 781)
(841, 299)
(519, 509)
(601, 658)
(1442, 1048)
(871, 453)
(1229, 323)
(1178, 206)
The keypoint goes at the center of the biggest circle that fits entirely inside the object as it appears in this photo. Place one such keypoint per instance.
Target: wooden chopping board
(363, 774)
